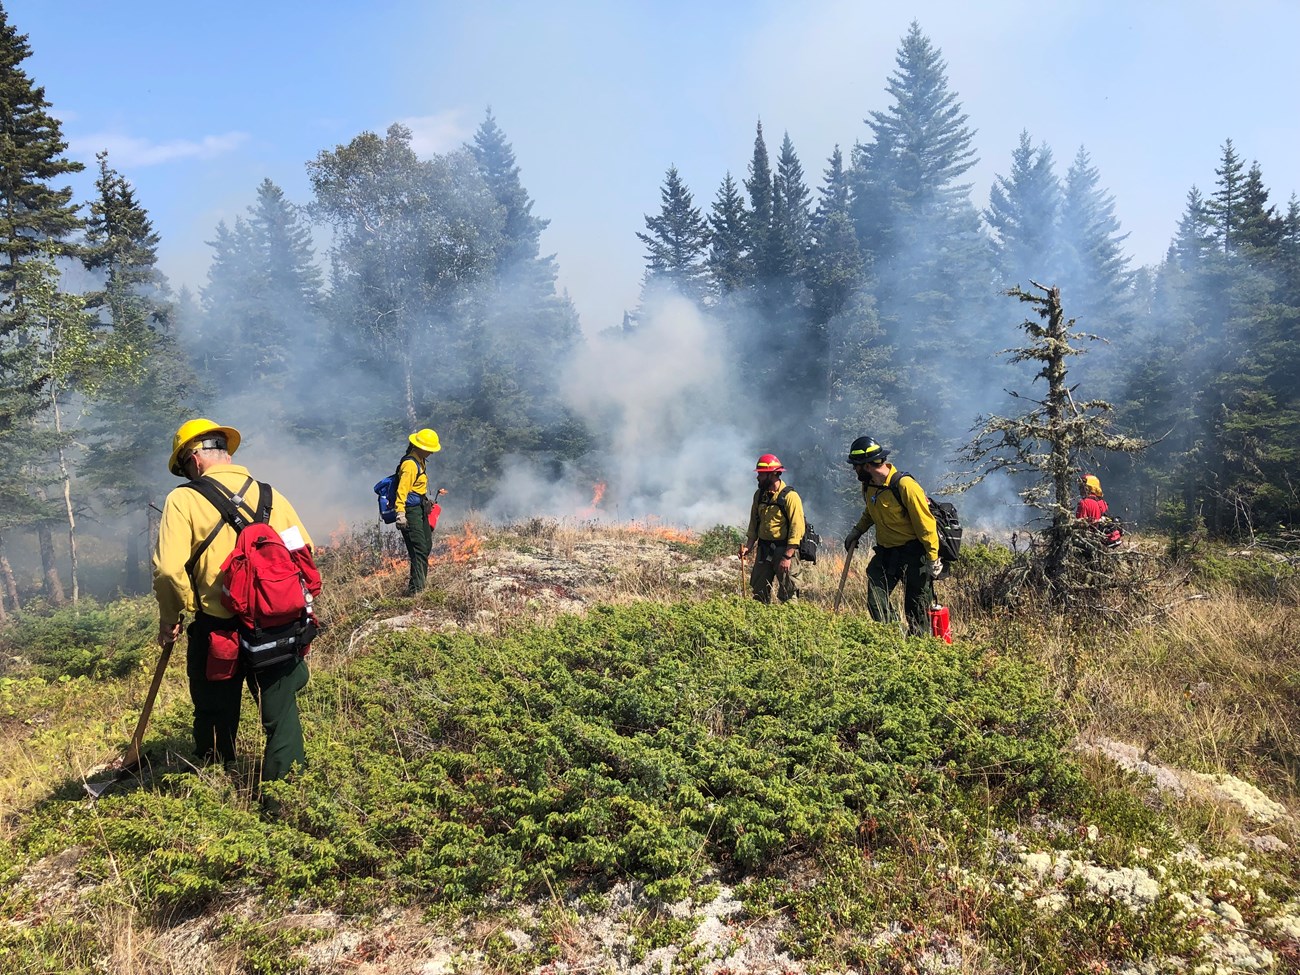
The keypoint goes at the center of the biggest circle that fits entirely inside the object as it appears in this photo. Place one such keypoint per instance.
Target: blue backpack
(386, 492)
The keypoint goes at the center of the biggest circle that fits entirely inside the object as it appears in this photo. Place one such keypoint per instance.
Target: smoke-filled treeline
(880, 308)
(787, 317)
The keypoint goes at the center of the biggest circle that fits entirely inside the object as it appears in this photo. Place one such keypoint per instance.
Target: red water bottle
(939, 628)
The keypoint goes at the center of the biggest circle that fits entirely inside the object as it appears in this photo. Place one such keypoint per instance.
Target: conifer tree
(923, 137)
(1260, 228)
(532, 328)
(1024, 208)
(927, 250)
(1096, 268)
(136, 408)
(759, 214)
(496, 162)
(1225, 205)
(728, 258)
(230, 301)
(289, 292)
(836, 269)
(1045, 448)
(791, 219)
(675, 242)
(1095, 277)
(855, 355)
(38, 220)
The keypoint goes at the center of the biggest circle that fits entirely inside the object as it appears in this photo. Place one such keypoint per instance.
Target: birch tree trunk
(67, 497)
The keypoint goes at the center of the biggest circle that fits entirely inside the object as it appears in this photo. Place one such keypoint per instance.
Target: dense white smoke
(658, 399)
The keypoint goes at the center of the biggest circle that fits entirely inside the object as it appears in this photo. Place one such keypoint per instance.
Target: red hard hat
(768, 464)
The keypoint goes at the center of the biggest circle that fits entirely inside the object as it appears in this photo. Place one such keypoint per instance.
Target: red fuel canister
(939, 624)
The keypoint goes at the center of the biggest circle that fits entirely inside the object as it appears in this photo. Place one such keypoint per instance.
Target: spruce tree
(928, 252)
(287, 319)
(137, 408)
(1096, 279)
(230, 300)
(791, 216)
(675, 243)
(38, 220)
(1225, 205)
(496, 162)
(728, 258)
(1045, 449)
(1260, 228)
(1024, 208)
(759, 214)
(923, 135)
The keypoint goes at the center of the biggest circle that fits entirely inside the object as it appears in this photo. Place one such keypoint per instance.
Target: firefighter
(776, 527)
(907, 539)
(413, 505)
(202, 449)
(1092, 507)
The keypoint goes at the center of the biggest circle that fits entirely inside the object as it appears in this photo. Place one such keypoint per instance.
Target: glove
(933, 569)
(401, 521)
(851, 540)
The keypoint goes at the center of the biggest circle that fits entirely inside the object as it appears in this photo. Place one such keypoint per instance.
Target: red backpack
(266, 585)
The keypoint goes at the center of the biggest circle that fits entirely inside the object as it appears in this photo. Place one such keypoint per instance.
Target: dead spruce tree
(1045, 447)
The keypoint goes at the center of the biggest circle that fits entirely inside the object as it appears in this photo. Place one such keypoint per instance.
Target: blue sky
(197, 103)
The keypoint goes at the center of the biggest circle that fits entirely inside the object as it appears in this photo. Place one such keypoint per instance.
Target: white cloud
(126, 151)
(434, 134)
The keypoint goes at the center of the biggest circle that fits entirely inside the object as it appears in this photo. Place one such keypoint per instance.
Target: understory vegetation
(502, 771)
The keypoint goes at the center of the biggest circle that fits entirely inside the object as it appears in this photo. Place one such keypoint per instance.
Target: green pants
(419, 543)
(767, 560)
(889, 567)
(217, 706)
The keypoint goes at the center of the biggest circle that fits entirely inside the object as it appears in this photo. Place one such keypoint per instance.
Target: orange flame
(463, 547)
(340, 534)
(597, 492)
(652, 528)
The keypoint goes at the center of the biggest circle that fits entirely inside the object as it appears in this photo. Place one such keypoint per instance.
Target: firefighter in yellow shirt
(907, 539)
(776, 527)
(193, 542)
(413, 505)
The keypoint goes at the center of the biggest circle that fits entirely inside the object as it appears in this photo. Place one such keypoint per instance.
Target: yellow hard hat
(426, 439)
(192, 430)
(1091, 483)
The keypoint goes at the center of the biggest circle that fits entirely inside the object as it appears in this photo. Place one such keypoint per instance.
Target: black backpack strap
(779, 501)
(893, 486)
(234, 511)
(397, 476)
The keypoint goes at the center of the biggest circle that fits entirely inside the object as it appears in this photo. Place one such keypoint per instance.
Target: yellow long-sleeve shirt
(767, 522)
(411, 479)
(187, 519)
(897, 524)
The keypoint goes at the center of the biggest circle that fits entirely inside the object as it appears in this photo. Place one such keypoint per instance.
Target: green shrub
(647, 742)
(719, 540)
(84, 640)
(982, 557)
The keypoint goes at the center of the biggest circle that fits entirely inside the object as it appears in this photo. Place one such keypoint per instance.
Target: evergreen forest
(870, 298)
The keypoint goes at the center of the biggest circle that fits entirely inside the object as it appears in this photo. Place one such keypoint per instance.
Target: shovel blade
(97, 789)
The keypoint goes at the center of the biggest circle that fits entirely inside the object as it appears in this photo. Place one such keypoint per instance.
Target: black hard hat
(865, 449)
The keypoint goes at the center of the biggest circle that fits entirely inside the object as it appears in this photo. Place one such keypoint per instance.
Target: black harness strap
(233, 509)
(779, 501)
